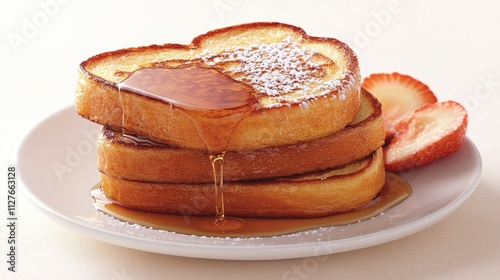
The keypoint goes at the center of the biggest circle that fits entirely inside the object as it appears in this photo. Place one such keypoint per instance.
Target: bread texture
(317, 91)
(140, 159)
(310, 195)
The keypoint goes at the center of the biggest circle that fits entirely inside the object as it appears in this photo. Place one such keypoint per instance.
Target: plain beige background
(452, 46)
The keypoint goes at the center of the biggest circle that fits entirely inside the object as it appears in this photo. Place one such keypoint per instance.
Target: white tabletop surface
(453, 46)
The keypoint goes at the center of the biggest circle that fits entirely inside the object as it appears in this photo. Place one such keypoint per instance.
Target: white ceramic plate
(57, 167)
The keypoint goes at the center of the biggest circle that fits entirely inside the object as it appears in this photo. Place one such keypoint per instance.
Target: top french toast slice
(306, 87)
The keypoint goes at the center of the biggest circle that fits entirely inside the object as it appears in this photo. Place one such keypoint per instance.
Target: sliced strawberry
(399, 94)
(432, 132)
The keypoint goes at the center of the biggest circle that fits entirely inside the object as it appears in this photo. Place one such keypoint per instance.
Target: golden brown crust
(120, 157)
(312, 195)
(277, 123)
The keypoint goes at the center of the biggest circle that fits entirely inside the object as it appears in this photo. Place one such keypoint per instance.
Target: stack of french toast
(309, 144)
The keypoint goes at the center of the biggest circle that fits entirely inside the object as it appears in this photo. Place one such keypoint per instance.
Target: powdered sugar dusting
(278, 69)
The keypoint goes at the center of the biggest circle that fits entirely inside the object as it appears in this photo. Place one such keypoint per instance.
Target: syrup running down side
(394, 191)
(201, 89)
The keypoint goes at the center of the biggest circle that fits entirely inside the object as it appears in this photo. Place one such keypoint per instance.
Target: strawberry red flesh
(399, 94)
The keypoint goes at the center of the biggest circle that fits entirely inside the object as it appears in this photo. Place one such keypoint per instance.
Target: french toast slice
(305, 87)
(140, 159)
(311, 195)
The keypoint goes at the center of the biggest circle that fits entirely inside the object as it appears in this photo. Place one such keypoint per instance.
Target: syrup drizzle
(394, 192)
(196, 90)
(218, 167)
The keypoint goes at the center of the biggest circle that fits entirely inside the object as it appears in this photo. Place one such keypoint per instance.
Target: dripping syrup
(196, 91)
(394, 192)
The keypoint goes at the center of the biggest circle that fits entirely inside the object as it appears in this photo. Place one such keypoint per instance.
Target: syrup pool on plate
(394, 191)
